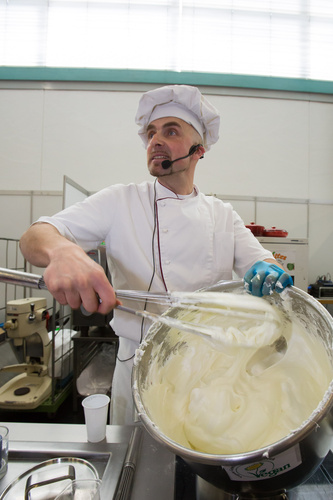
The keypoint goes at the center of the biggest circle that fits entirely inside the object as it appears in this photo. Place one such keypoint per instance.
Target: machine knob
(32, 315)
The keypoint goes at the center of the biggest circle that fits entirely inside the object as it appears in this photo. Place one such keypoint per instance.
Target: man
(160, 236)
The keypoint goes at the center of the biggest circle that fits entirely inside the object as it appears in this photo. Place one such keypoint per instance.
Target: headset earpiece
(194, 148)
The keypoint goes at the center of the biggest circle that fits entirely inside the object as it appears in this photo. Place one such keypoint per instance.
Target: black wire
(151, 279)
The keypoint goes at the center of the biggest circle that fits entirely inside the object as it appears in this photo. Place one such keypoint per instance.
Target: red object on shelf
(273, 232)
(256, 229)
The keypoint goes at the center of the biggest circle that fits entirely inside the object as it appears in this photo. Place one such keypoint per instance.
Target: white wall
(273, 161)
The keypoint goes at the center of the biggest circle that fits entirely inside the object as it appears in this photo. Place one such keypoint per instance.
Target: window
(285, 38)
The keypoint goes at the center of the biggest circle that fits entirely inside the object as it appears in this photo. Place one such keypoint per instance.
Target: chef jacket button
(163, 204)
(167, 262)
(165, 230)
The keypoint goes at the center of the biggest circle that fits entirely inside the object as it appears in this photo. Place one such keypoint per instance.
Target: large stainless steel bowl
(274, 469)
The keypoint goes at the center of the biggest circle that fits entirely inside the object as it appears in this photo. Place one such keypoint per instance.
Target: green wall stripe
(164, 77)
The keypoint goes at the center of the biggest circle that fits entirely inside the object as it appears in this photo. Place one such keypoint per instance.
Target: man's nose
(156, 140)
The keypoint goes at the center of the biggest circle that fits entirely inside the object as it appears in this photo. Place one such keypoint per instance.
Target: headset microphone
(167, 163)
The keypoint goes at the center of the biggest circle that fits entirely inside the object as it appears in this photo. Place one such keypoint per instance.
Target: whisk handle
(160, 298)
(22, 278)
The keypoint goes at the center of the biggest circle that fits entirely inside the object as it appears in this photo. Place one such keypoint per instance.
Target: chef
(163, 235)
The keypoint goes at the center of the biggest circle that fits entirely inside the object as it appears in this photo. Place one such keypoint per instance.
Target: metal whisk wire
(222, 304)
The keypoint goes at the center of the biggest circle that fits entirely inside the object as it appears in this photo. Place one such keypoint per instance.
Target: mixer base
(188, 486)
(25, 392)
(206, 491)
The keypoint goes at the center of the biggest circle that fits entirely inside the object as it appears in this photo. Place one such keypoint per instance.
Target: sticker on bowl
(266, 468)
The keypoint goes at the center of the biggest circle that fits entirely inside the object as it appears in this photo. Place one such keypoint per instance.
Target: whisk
(246, 307)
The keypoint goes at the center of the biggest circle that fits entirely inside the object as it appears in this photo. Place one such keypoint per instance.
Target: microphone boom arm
(167, 163)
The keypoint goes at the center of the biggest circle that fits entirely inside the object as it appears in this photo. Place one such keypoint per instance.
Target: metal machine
(26, 326)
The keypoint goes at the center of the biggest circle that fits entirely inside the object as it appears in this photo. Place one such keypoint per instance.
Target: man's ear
(201, 151)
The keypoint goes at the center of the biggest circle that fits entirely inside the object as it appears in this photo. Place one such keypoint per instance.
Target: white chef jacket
(153, 235)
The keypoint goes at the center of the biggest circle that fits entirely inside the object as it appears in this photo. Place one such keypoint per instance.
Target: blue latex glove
(263, 278)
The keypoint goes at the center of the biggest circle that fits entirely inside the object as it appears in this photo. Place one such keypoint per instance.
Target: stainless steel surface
(153, 478)
(47, 478)
(21, 278)
(50, 472)
(155, 471)
(25, 457)
(310, 442)
(267, 356)
(206, 491)
(124, 487)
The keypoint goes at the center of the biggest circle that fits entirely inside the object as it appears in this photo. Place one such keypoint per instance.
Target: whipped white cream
(203, 398)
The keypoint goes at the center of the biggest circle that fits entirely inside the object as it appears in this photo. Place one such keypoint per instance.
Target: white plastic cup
(95, 414)
(4, 432)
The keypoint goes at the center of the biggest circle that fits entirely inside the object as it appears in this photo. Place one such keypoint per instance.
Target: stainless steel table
(34, 443)
(157, 471)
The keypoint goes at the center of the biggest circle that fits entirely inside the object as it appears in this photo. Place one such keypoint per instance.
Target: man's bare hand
(74, 278)
(71, 276)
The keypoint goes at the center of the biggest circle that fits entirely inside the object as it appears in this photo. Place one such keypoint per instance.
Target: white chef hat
(180, 101)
